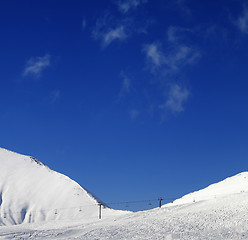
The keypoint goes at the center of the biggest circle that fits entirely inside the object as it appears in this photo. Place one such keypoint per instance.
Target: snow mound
(229, 186)
(32, 192)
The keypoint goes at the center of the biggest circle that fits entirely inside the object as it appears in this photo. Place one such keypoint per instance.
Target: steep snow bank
(31, 192)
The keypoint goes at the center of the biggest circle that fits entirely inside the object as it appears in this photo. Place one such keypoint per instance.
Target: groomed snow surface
(38, 203)
(223, 218)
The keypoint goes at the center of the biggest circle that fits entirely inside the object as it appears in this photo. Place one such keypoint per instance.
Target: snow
(219, 211)
(31, 192)
(231, 185)
(225, 217)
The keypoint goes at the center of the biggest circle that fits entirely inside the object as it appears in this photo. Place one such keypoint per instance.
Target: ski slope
(222, 218)
(31, 192)
(229, 186)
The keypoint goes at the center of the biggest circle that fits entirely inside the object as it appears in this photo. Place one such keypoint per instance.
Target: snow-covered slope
(219, 211)
(223, 217)
(31, 192)
(231, 185)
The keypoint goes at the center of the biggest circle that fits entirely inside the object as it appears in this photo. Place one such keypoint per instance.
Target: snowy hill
(31, 192)
(231, 185)
(222, 217)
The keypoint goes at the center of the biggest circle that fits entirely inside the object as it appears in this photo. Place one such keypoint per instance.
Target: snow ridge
(32, 192)
(37, 161)
(231, 185)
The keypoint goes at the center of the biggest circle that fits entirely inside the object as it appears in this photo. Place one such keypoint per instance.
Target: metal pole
(160, 202)
(100, 210)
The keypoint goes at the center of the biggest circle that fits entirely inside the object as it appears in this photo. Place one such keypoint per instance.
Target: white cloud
(171, 33)
(180, 53)
(114, 34)
(111, 27)
(154, 54)
(126, 5)
(126, 86)
(106, 33)
(167, 61)
(242, 21)
(55, 95)
(183, 55)
(35, 66)
(172, 60)
(177, 97)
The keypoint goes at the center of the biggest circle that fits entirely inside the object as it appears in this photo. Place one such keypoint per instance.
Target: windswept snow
(31, 192)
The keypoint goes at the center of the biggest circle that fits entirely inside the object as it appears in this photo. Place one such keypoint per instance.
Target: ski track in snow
(222, 218)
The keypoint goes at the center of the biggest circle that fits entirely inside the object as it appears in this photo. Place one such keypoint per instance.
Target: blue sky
(133, 99)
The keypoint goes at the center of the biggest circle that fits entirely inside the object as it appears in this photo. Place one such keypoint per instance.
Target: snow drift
(32, 192)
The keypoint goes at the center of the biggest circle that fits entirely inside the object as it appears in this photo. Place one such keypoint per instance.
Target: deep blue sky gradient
(126, 142)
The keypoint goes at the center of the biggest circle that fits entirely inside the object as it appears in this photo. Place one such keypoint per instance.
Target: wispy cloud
(181, 56)
(106, 32)
(242, 21)
(55, 95)
(114, 34)
(171, 60)
(177, 38)
(154, 55)
(35, 66)
(171, 33)
(126, 86)
(126, 5)
(167, 61)
(176, 98)
(112, 27)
